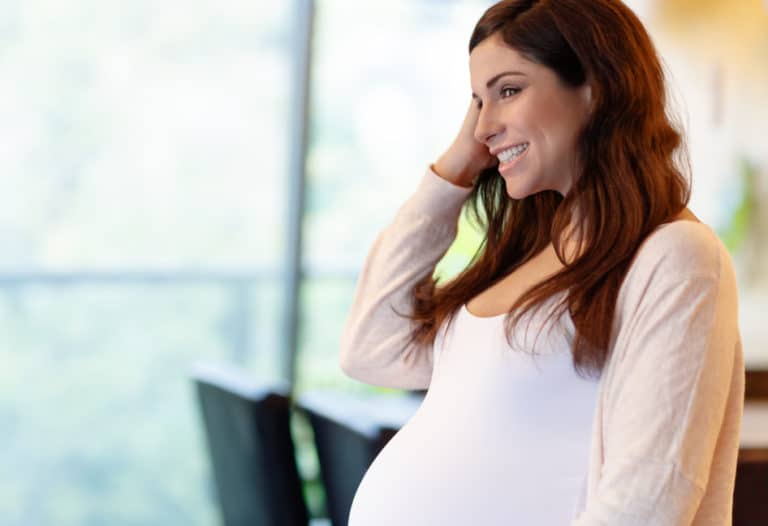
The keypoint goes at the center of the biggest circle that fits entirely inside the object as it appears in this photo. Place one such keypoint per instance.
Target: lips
(510, 153)
(505, 166)
(496, 151)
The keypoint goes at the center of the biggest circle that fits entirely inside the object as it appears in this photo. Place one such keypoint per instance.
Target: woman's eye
(508, 89)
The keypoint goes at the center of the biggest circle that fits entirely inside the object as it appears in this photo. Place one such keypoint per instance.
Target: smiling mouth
(511, 156)
(512, 152)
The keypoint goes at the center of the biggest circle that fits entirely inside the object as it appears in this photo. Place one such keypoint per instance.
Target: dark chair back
(750, 496)
(251, 450)
(349, 432)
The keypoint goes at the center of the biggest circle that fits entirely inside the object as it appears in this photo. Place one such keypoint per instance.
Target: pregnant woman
(586, 368)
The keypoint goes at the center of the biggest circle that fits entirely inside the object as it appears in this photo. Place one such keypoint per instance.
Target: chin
(520, 186)
(518, 191)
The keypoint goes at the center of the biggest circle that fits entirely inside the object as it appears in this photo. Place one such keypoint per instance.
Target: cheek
(563, 127)
(541, 120)
(570, 116)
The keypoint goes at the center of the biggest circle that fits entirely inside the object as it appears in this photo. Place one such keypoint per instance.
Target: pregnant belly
(432, 473)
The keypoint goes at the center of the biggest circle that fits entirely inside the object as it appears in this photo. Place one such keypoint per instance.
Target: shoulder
(679, 250)
(680, 282)
(671, 255)
(678, 264)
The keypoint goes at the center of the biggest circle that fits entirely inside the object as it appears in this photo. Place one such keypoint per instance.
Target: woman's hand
(463, 161)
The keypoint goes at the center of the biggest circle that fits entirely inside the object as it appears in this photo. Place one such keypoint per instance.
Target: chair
(247, 428)
(349, 431)
(750, 496)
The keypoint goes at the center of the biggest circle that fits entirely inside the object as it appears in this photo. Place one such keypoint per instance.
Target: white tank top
(501, 438)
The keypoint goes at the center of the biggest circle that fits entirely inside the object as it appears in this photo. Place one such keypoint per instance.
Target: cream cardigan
(665, 429)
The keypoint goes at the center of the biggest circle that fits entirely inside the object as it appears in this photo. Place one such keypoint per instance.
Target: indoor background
(200, 181)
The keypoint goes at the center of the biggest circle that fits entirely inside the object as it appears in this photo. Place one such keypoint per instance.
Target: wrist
(452, 171)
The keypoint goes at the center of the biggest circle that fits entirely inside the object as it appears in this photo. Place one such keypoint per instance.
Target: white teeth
(510, 153)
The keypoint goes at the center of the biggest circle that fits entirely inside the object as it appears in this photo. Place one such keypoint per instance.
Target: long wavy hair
(630, 179)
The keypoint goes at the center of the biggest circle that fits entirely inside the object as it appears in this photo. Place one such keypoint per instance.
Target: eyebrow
(496, 78)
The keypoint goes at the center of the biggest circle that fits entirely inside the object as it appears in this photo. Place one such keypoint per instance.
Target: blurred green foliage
(741, 220)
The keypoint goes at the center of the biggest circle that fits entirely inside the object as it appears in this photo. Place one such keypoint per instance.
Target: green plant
(735, 232)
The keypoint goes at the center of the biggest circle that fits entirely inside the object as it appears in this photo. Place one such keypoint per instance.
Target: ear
(586, 94)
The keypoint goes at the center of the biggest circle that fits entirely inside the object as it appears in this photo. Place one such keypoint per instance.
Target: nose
(488, 125)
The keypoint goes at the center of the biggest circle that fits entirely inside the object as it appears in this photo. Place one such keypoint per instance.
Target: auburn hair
(629, 182)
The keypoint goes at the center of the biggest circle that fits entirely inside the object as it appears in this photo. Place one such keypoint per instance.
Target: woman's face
(524, 106)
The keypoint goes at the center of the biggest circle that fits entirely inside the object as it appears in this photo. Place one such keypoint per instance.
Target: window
(144, 149)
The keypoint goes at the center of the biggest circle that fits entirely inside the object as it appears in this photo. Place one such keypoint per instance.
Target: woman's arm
(675, 351)
(374, 339)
